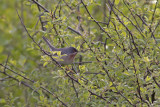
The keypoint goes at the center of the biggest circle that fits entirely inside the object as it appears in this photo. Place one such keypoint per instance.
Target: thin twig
(40, 6)
(75, 88)
(99, 24)
(22, 82)
(6, 63)
(132, 38)
(54, 59)
(30, 81)
(158, 84)
(115, 86)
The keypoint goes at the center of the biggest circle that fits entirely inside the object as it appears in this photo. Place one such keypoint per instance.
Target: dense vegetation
(118, 62)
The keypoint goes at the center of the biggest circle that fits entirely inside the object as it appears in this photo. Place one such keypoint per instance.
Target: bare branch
(32, 81)
(40, 6)
(99, 24)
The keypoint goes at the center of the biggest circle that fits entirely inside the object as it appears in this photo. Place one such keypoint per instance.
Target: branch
(118, 18)
(116, 87)
(101, 28)
(37, 43)
(74, 30)
(2, 79)
(150, 28)
(154, 78)
(24, 83)
(6, 63)
(138, 28)
(54, 59)
(40, 6)
(75, 88)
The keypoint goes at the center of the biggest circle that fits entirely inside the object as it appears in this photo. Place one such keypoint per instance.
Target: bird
(68, 53)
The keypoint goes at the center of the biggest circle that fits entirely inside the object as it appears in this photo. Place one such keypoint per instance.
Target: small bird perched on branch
(68, 53)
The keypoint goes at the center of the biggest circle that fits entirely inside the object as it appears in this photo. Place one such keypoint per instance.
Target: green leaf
(1, 49)
(59, 53)
(110, 84)
(20, 78)
(2, 100)
(14, 62)
(148, 78)
(146, 59)
(45, 64)
(37, 84)
(130, 100)
(126, 73)
(117, 2)
(27, 3)
(89, 18)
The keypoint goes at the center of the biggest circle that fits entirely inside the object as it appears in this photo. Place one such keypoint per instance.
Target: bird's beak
(75, 53)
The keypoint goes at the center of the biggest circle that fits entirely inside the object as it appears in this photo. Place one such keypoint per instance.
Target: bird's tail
(48, 43)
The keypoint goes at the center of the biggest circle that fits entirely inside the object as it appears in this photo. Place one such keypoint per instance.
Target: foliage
(117, 63)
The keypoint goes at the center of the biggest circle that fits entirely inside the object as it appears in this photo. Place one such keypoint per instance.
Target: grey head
(68, 50)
